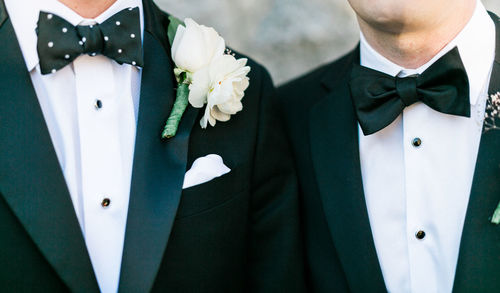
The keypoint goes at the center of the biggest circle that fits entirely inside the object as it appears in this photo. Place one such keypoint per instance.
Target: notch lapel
(31, 180)
(159, 165)
(478, 268)
(335, 155)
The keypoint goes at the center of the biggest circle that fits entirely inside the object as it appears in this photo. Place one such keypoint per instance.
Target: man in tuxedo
(91, 197)
(398, 160)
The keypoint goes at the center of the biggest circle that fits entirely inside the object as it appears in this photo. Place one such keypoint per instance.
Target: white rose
(195, 46)
(221, 86)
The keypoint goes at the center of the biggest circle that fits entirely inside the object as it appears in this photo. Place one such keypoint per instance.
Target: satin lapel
(159, 165)
(31, 180)
(335, 153)
(478, 268)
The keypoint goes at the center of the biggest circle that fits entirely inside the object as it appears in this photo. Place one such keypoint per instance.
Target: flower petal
(177, 40)
(199, 88)
(204, 119)
(214, 42)
(218, 115)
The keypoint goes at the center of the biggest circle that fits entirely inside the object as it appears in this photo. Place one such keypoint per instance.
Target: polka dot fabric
(59, 42)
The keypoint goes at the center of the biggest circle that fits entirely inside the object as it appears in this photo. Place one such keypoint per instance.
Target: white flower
(221, 86)
(215, 79)
(195, 46)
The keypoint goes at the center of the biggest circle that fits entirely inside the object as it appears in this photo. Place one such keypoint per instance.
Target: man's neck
(413, 48)
(88, 8)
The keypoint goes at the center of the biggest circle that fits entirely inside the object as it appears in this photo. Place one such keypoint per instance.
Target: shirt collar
(476, 44)
(24, 17)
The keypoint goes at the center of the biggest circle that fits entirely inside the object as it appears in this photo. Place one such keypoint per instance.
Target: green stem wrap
(181, 99)
(180, 105)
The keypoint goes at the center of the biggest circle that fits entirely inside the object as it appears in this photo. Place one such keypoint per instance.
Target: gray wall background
(290, 37)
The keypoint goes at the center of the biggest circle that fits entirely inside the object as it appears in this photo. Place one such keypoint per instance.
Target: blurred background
(290, 37)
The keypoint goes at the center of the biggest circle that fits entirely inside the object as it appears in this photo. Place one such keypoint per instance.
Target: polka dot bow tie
(118, 38)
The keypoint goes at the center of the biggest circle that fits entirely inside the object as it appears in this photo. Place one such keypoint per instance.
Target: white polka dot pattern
(59, 42)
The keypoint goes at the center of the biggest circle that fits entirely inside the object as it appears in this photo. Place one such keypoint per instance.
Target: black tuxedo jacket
(237, 233)
(340, 251)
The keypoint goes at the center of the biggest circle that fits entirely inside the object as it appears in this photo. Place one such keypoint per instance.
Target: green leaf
(172, 28)
(496, 216)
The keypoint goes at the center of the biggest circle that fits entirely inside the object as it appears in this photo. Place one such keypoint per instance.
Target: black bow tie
(59, 42)
(380, 98)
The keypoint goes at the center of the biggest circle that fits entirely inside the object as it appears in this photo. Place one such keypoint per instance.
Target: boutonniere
(207, 74)
(492, 114)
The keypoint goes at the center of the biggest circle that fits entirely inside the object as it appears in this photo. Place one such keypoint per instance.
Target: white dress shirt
(426, 188)
(95, 146)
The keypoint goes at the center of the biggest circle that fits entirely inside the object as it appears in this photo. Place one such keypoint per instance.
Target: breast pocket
(216, 192)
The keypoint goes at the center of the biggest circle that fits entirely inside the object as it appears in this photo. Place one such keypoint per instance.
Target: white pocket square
(205, 169)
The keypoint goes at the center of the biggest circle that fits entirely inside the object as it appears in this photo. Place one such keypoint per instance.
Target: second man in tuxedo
(397, 149)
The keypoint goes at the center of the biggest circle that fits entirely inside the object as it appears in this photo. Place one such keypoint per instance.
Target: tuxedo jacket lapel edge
(478, 267)
(335, 155)
(31, 179)
(159, 165)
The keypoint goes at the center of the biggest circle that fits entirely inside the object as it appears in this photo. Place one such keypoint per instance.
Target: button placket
(102, 183)
(412, 157)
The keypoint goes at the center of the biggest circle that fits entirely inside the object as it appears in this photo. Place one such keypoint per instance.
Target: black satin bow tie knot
(59, 42)
(380, 98)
